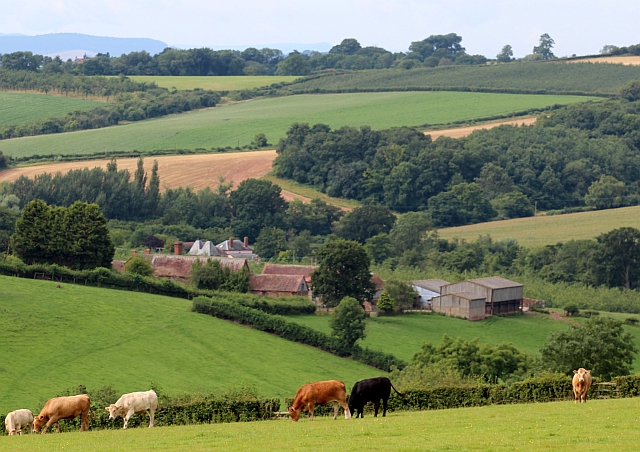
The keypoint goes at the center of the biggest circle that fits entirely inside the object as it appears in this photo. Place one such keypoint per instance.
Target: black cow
(371, 390)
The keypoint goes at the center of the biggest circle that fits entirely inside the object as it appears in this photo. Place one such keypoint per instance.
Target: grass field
(53, 339)
(18, 108)
(626, 60)
(215, 83)
(306, 192)
(518, 77)
(595, 426)
(403, 335)
(548, 230)
(236, 125)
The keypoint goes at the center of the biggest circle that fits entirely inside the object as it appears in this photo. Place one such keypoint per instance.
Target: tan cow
(581, 384)
(63, 408)
(320, 393)
(18, 420)
(135, 402)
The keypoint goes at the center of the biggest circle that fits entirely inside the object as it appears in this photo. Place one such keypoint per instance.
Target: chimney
(177, 248)
(246, 242)
(134, 253)
(147, 251)
(230, 243)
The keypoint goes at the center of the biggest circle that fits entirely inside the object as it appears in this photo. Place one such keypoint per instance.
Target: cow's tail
(398, 392)
(93, 414)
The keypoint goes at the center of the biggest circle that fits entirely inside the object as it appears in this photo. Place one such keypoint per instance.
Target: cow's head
(38, 422)
(115, 411)
(581, 373)
(294, 414)
(13, 432)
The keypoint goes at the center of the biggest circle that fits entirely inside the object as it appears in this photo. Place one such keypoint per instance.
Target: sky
(578, 26)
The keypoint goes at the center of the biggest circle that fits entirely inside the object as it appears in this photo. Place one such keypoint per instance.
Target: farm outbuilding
(502, 295)
(179, 267)
(427, 289)
(460, 304)
(278, 285)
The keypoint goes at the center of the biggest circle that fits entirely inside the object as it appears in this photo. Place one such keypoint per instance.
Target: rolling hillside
(18, 108)
(215, 83)
(533, 77)
(547, 230)
(236, 125)
(53, 339)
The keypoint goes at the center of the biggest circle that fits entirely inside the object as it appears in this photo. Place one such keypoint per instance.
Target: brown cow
(581, 384)
(63, 408)
(320, 393)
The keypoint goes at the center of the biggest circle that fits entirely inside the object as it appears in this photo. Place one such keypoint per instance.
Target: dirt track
(196, 171)
(460, 132)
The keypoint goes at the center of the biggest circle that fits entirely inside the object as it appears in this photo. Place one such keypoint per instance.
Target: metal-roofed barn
(467, 305)
(502, 295)
(427, 289)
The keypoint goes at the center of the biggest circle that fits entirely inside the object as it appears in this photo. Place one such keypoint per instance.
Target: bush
(139, 266)
(571, 310)
(292, 331)
(386, 304)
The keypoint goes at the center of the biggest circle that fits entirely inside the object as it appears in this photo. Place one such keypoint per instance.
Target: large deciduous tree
(256, 204)
(600, 345)
(365, 222)
(544, 47)
(619, 262)
(343, 271)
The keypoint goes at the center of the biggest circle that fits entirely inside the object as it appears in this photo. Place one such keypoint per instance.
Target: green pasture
(214, 83)
(595, 426)
(513, 77)
(311, 193)
(54, 339)
(236, 125)
(549, 229)
(19, 108)
(403, 335)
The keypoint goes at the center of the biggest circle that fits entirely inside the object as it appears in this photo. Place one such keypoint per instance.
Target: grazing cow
(320, 393)
(18, 420)
(136, 402)
(60, 408)
(371, 390)
(581, 384)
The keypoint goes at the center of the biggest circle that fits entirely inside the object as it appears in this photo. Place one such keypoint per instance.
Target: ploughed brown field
(626, 60)
(460, 132)
(196, 171)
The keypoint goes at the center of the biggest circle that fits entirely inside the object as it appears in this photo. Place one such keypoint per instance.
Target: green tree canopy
(294, 64)
(619, 261)
(256, 204)
(365, 222)
(343, 271)
(505, 55)
(599, 345)
(348, 321)
(213, 276)
(544, 47)
(270, 242)
(139, 266)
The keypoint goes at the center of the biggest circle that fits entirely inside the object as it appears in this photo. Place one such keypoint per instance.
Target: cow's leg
(152, 420)
(347, 413)
(384, 407)
(575, 396)
(336, 407)
(376, 407)
(85, 421)
(127, 417)
(311, 406)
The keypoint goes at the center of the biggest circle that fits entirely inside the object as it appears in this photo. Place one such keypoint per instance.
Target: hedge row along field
(236, 125)
(521, 77)
(214, 83)
(293, 331)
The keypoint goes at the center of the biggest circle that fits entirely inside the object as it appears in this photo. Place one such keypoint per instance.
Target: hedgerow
(292, 331)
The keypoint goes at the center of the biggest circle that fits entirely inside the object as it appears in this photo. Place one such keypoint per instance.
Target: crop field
(214, 83)
(626, 60)
(18, 108)
(459, 132)
(54, 339)
(549, 229)
(595, 426)
(514, 77)
(236, 125)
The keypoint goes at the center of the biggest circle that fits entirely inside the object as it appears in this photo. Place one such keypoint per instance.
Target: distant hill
(62, 43)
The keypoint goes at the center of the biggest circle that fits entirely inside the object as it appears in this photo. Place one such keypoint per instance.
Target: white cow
(17, 420)
(136, 402)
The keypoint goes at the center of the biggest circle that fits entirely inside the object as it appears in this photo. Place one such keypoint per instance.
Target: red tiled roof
(118, 265)
(277, 283)
(172, 266)
(377, 281)
(300, 270)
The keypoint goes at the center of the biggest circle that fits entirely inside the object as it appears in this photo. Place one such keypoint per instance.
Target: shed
(502, 295)
(278, 285)
(427, 289)
(301, 270)
(460, 304)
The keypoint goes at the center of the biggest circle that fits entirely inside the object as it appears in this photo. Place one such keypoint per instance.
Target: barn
(427, 289)
(278, 285)
(502, 295)
(467, 305)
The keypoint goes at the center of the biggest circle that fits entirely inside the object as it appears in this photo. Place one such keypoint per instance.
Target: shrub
(348, 321)
(386, 304)
(571, 310)
(139, 266)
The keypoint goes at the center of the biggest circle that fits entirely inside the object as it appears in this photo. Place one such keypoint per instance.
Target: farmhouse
(236, 248)
(278, 285)
(465, 298)
(179, 267)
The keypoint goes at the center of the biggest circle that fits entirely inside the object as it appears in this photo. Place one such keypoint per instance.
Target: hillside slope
(53, 339)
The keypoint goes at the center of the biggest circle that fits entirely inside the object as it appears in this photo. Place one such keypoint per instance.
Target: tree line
(582, 156)
(349, 55)
(131, 101)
